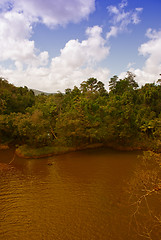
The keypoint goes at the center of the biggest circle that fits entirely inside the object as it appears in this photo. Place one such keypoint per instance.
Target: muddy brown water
(75, 196)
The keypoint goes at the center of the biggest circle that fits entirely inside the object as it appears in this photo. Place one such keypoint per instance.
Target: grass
(30, 152)
(26, 151)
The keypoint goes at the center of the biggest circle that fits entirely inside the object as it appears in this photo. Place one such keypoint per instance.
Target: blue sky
(53, 45)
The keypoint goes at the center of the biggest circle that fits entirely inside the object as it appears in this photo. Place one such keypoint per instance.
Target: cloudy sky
(52, 45)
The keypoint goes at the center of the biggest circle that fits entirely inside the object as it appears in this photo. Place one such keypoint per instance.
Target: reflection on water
(80, 197)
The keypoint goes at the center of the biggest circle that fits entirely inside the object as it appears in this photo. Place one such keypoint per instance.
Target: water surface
(82, 196)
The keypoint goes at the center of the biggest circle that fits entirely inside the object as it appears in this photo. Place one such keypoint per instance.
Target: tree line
(125, 115)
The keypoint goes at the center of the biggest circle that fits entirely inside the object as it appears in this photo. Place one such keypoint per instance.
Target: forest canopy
(126, 115)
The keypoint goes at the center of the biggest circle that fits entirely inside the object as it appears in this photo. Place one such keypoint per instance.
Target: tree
(130, 77)
(120, 86)
(113, 83)
(92, 86)
(14, 99)
(89, 86)
(32, 129)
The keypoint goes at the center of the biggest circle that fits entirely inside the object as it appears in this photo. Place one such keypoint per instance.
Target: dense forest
(126, 115)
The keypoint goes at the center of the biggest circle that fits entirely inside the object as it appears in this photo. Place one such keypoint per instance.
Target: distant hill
(37, 92)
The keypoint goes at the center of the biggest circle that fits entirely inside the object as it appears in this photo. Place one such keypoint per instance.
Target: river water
(81, 196)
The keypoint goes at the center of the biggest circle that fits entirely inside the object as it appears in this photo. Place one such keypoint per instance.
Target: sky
(51, 45)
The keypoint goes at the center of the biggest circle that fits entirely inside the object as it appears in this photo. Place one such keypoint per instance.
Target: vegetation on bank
(127, 116)
(26, 151)
(145, 196)
(46, 151)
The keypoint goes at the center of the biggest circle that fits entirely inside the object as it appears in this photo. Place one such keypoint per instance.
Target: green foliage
(82, 115)
(92, 87)
(30, 152)
(14, 99)
(122, 85)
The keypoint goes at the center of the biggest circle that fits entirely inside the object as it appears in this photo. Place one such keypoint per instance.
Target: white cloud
(51, 12)
(18, 16)
(77, 59)
(113, 32)
(89, 51)
(77, 62)
(30, 65)
(151, 50)
(130, 64)
(121, 18)
(123, 4)
(15, 31)
(49, 80)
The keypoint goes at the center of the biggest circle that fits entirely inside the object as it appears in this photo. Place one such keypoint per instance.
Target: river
(75, 196)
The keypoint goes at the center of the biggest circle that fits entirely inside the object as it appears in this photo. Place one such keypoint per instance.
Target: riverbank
(48, 151)
(137, 144)
(25, 151)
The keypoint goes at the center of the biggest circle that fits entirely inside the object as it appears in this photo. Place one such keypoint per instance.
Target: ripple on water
(74, 199)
